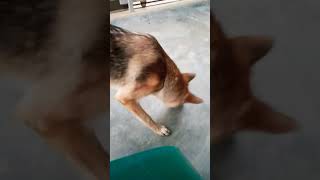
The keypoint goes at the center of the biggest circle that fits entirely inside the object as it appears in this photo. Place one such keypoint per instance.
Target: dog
(58, 48)
(235, 108)
(140, 67)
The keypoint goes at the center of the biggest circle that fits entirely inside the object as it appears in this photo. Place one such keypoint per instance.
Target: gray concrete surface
(288, 78)
(23, 154)
(183, 31)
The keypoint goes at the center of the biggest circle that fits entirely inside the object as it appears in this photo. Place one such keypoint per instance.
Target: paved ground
(289, 79)
(183, 31)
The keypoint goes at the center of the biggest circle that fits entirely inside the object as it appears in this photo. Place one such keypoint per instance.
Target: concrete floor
(288, 78)
(183, 31)
(24, 155)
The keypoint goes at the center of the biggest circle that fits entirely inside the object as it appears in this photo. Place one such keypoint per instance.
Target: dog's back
(118, 54)
(133, 57)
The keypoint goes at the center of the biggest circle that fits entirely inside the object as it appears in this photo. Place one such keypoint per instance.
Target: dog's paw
(163, 131)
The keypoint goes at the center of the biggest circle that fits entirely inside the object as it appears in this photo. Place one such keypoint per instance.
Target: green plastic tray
(163, 163)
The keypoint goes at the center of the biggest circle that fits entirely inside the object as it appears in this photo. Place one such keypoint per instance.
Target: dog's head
(175, 91)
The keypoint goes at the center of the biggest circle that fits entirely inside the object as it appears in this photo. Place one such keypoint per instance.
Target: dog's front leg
(135, 108)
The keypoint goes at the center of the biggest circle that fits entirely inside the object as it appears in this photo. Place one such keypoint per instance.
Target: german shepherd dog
(58, 47)
(140, 67)
(235, 108)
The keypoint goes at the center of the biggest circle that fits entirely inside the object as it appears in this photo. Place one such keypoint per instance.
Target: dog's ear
(261, 117)
(193, 99)
(252, 48)
(187, 77)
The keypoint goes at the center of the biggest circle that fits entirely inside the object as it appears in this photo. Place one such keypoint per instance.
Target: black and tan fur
(235, 108)
(59, 48)
(140, 67)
